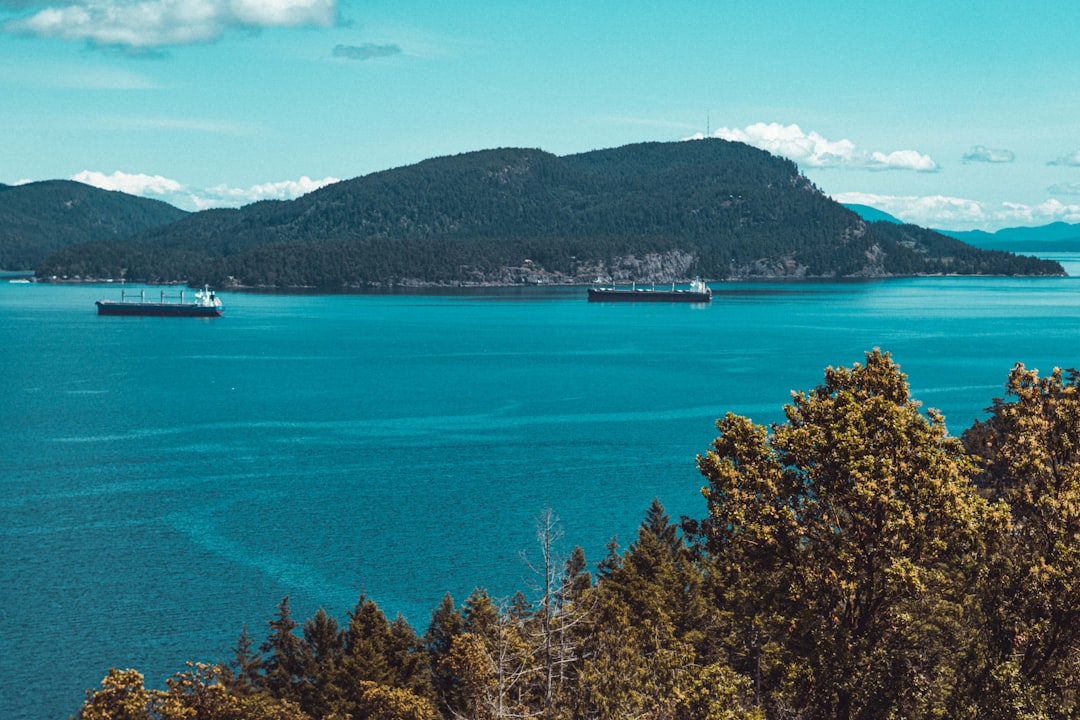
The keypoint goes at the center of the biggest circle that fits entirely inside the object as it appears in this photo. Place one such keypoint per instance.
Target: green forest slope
(37, 219)
(647, 212)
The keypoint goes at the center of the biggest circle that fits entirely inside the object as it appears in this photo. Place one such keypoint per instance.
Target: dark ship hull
(699, 292)
(206, 304)
(106, 307)
(606, 294)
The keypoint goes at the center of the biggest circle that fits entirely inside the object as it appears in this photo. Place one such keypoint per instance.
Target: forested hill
(647, 212)
(37, 219)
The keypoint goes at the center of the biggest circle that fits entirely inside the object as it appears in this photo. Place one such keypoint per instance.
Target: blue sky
(950, 115)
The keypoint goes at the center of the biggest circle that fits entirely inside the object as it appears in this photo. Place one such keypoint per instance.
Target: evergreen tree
(409, 664)
(636, 651)
(284, 657)
(246, 666)
(367, 641)
(577, 579)
(323, 651)
(447, 622)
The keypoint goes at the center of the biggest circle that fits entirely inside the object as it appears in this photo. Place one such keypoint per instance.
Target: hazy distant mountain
(37, 219)
(1059, 236)
(647, 212)
(872, 214)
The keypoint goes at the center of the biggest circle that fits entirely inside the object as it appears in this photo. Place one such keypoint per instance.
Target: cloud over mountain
(159, 23)
(223, 195)
(188, 198)
(814, 150)
(132, 184)
(954, 213)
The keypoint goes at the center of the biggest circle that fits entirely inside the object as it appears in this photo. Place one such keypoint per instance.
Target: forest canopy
(856, 561)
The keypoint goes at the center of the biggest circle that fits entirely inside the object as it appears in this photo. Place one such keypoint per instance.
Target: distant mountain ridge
(1060, 236)
(40, 218)
(872, 214)
(646, 212)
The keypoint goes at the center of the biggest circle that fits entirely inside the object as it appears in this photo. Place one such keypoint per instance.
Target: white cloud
(157, 23)
(1071, 160)
(814, 150)
(187, 198)
(138, 184)
(283, 13)
(981, 153)
(226, 196)
(901, 160)
(953, 213)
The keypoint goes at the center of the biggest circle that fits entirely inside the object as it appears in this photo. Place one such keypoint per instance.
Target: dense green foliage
(37, 219)
(653, 211)
(856, 562)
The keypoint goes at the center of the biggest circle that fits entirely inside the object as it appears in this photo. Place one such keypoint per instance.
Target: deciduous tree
(122, 696)
(1031, 445)
(845, 538)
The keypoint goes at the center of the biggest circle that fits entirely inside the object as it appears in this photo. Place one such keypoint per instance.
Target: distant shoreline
(418, 285)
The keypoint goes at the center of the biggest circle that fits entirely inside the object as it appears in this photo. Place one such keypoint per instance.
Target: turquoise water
(165, 481)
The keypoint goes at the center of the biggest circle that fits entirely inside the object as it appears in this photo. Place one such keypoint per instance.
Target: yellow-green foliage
(857, 562)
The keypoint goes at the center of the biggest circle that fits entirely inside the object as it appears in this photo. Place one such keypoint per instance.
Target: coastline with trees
(856, 561)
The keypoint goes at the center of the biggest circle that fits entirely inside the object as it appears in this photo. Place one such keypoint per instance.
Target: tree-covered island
(856, 562)
(651, 212)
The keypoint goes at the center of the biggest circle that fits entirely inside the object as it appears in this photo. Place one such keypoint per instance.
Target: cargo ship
(699, 292)
(207, 304)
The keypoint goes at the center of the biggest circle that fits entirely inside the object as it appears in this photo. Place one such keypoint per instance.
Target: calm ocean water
(165, 481)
